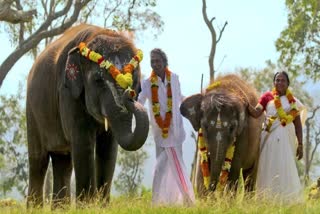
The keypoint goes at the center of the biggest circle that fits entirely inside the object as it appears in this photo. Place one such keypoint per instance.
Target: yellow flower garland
(283, 116)
(163, 124)
(204, 163)
(213, 85)
(124, 80)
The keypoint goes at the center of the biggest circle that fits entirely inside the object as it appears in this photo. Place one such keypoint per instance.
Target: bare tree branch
(21, 31)
(14, 15)
(214, 40)
(56, 15)
(110, 13)
(317, 142)
(308, 157)
(224, 26)
(41, 34)
(129, 11)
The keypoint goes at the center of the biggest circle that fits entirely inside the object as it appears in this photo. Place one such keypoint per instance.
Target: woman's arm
(299, 134)
(255, 111)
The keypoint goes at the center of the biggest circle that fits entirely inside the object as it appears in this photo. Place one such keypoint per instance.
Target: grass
(221, 204)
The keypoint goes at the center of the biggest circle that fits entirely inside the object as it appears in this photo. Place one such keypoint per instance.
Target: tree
(11, 11)
(130, 177)
(55, 16)
(214, 40)
(299, 42)
(262, 81)
(312, 135)
(13, 141)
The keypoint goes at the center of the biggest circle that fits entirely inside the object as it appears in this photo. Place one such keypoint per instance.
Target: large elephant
(222, 114)
(71, 102)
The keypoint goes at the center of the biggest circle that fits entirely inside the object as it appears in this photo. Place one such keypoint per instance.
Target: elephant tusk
(106, 124)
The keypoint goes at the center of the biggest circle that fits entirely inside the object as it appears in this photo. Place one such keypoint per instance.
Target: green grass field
(222, 204)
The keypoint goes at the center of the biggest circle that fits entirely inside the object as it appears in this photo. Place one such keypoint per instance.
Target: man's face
(157, 64)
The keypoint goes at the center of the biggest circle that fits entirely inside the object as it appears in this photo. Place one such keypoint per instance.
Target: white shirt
(176, 132)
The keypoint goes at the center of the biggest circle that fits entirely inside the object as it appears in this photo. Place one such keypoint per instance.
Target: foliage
(136, 16)
(13, 140)
(133, 15)
(11, 11)
(55, 16)
(262, 80)
(299, 42)
(130, 176)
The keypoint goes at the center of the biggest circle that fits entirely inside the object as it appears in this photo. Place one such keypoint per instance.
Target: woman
(277, 176)
(171, 183)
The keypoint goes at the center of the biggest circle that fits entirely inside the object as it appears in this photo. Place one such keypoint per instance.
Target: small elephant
(71, 101)
(223, 116)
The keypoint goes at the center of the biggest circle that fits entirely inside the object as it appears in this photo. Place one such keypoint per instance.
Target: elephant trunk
(216, 161)
(122, 128)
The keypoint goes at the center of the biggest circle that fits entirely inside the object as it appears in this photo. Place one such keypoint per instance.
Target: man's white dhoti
(171, 184)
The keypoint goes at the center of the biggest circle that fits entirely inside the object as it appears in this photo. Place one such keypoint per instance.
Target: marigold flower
(283, 116)
(123, 79)
(163, 124)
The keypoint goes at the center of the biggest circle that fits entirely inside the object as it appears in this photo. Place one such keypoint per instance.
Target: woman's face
(281, 83)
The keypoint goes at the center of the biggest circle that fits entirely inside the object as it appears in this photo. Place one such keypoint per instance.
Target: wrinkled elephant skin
(69, 98)
(223, 116)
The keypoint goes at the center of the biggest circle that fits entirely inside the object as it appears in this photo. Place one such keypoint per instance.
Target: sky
(248, 41)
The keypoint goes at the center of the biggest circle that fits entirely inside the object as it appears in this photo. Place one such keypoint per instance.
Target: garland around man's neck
(163, 124)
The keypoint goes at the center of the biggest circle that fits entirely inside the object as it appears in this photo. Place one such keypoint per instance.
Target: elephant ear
(242, 119)
(191, 109)
(72, 73)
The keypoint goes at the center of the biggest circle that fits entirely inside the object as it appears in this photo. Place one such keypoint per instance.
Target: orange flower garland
(163, 124)
(204, 163)
(124, 80)
(283, 116)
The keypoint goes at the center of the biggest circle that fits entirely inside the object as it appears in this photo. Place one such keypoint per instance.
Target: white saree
(277, 176)
(171, 183)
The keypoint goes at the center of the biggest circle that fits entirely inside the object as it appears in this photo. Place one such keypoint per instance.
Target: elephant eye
(231, 128)
(98, 79)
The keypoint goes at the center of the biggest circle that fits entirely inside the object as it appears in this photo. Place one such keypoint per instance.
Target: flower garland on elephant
(204, 163)
(163, 124)
(204, 159)
(123, 79)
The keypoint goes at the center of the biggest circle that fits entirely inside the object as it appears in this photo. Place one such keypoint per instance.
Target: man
(171, 184)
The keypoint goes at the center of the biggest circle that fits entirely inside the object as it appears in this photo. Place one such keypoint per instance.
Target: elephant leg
(83, 162)
(106, 155)
(198, 181)
(37, 172)
(62, 169)
(236, 164)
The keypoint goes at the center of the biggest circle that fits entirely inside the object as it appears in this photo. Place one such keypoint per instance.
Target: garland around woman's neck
(283, 116)
(123, 79)
(163, 124)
